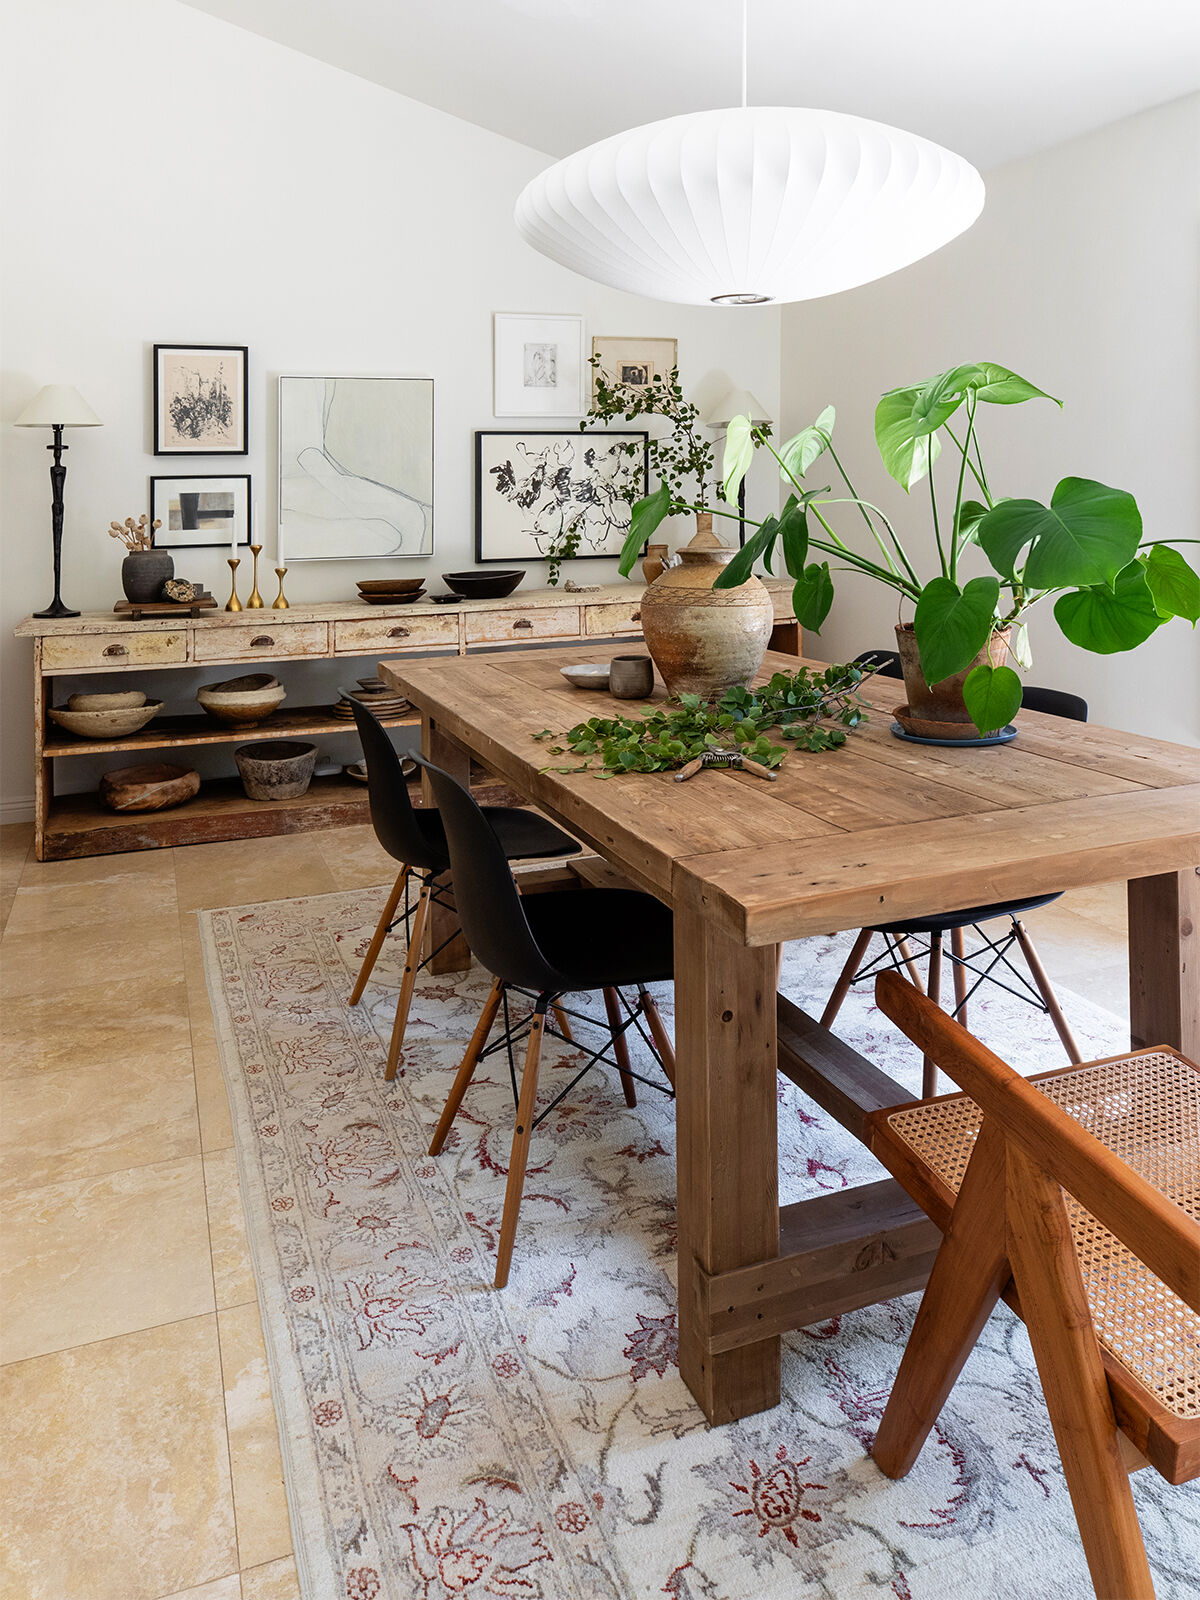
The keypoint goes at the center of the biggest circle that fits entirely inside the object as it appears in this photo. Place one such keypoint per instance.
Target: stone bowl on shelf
(118, 700)
(242, 702)
(483, 585)
(113, 722)
(276, 769)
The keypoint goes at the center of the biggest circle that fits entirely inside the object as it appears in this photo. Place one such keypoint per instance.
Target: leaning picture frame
(355, 468)
(201, 400)
(533, 486)
(199, 511)
(537, 365)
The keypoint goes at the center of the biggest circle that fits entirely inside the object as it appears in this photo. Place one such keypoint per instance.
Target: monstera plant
(1083, 553)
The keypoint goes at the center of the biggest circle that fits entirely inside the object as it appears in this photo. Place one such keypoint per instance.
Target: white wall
(1081, 275)
(170, 177)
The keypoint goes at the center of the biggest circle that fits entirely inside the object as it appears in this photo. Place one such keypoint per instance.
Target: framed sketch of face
(633, 363)
(200, 400)
(537, 365)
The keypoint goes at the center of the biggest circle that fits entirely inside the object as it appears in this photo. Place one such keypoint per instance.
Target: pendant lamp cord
(745, 10)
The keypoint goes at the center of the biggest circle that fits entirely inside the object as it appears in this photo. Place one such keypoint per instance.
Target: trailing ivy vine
(811, 710)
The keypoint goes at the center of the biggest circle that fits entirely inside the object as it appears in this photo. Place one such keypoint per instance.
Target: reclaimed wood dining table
(877, 831)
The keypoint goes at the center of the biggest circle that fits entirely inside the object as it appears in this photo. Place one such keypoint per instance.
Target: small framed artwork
(201, 405)
(537, 365)
(531, 488)
(355, 468)
(636, 363)
(200, 511)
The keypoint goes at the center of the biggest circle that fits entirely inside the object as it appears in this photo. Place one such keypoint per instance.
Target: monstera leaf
(813, 596)
(953, 625)
(1107, 620)
(647, 514)
(907, 420)
(739, 453)
(992, 696)
(1173, 585)
(799, 453)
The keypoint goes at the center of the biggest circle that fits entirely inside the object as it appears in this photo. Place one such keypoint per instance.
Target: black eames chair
(543, 947)
(991, 963)
(413, 836)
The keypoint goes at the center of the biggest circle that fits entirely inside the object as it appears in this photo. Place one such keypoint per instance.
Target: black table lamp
(737, 403)
(57, 406)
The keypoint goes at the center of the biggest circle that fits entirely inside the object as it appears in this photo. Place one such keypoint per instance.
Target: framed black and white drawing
(355, 468)
(633, 362)
(197, 511)
(537, 365)
(201, 406)
(533, 488)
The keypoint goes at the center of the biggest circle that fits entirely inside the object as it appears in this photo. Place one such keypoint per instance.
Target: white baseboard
(17, 810)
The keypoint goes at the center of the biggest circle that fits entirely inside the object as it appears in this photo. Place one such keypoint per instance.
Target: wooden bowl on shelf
(242, 702)
(149, 786)
(113, 722)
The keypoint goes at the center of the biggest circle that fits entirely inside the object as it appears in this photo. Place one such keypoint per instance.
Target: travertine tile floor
(142, 1460)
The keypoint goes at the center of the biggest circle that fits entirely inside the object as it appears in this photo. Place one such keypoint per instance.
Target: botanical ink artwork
(555, 496)
(200, 400)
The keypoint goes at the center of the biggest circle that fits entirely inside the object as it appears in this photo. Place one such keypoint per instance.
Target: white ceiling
(992, 79)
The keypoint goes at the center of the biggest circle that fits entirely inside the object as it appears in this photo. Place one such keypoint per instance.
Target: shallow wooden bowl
(149, 786)
(113, 723)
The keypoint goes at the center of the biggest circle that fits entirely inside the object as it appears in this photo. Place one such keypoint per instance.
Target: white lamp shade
(737, 403)
(58, 404)
(749, 204)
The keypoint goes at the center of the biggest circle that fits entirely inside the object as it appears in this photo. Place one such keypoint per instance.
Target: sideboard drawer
(539, 622)
(67, 652)
(271, 640)
(393, 633)
(620, 618)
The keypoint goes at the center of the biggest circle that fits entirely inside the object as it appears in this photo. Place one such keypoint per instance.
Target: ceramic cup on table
(631, 677)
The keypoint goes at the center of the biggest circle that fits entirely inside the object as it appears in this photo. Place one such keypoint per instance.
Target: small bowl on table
(483, 585)
(587, 674)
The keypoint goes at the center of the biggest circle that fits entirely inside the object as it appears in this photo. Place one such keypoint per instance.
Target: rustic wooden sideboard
(100, 642)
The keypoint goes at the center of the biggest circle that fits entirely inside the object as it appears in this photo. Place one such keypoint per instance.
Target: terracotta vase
(705, 640)
(942, 703)
(654, 562)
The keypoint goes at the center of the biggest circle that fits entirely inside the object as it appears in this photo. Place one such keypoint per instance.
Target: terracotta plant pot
(143, 573)
(941, 703)
(705, 640)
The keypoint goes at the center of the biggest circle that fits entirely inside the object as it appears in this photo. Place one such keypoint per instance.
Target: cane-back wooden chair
(1075, 1195)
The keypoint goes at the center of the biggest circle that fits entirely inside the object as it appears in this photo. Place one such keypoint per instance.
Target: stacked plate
(390, 591)
(371, 692)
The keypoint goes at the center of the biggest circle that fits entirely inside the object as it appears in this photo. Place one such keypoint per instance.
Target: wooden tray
(137, 609)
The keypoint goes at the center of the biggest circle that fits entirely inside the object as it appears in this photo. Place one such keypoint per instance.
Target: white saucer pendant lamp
(749, 204)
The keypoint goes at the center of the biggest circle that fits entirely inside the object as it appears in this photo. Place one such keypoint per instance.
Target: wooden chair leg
(612, 1007)
(1054, 1305)
(564, 1022)
(466, 1070)
(958, 949)
(1045, 989)
(520, 1148)
(386, 917)
(411, 963)
(969, 1274)
(658, 1032)
(910, 961)
(929, 1071)
(845, 978)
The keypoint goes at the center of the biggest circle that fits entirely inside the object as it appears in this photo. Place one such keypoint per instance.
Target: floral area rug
(443, 1441)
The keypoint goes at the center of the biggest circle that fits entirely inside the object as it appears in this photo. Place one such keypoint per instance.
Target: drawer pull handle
(635, 616)
(261, 639)
(398, 633)
(522, 622)
(115, 650)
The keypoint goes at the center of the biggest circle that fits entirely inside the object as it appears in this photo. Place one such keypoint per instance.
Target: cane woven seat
(1145, 1108)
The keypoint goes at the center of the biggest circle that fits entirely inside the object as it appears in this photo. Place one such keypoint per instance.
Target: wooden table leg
(453, 758)
(1164, 961)
(728, 1190)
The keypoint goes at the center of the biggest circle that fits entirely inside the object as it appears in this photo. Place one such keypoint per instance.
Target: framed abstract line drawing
(355, 468)
(199, 511)
(636, 363)
(532, 488)
(201, 404)
(538, 365)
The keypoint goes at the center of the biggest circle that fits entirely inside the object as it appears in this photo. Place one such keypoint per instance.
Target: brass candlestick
(255, 602)
(233, 603)
(279, 603)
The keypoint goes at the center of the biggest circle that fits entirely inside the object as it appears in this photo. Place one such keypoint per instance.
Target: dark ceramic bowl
(482, 585)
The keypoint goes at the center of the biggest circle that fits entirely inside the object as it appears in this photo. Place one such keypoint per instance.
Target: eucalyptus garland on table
(799, 705)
